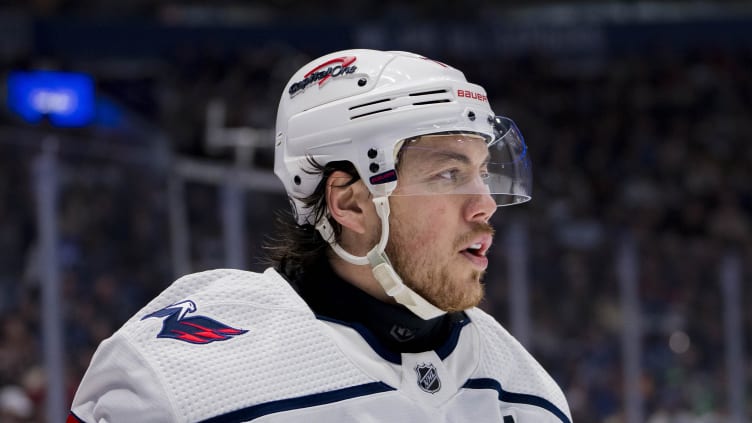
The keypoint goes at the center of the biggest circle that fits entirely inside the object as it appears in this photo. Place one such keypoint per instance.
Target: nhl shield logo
(428, 378)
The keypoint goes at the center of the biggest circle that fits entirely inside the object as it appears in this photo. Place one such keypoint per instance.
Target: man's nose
(480, 207)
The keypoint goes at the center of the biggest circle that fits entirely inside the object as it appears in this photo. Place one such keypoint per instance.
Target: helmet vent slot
(428, 93)
(370, 113)
(441, 99)
(422, 103)
(427, 97)
(369, 104)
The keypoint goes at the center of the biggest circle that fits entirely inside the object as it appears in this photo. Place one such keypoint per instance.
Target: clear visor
(466, 163)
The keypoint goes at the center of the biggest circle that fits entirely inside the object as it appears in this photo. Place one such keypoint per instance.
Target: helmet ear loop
(326, 230)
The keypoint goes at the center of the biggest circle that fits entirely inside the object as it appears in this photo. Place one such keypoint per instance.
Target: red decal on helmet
(382, 178)
(435, 61)
(472, 94)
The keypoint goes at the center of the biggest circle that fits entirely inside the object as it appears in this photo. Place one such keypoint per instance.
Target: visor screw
(296, 179)
(362, 82)
(374, 167)
(491, 119)
(471, 115)
(372, 153)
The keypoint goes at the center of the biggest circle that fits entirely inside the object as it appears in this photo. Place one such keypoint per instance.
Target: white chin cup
(382, 269)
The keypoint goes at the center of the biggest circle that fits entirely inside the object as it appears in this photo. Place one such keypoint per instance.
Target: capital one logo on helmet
(332, 68)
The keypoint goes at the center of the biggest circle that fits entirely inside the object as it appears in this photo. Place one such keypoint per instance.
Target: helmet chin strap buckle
(381, 268)
(395, 288)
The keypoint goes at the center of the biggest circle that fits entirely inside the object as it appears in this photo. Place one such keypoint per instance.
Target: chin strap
(381, 267)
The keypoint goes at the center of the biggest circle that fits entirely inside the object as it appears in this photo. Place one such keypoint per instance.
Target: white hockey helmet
(361, 105)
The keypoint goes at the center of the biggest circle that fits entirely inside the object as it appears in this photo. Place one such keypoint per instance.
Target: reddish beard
(433, 278)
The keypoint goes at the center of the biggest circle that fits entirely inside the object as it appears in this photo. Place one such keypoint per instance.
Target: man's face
(439, 231)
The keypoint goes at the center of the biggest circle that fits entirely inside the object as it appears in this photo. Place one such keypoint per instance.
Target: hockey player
(394, 164)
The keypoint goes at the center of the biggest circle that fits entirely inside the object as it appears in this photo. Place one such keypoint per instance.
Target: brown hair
(294, 247)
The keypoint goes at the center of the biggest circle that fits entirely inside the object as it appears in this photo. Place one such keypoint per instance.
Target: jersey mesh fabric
(284, 354)
(511, 365)
(222, 285)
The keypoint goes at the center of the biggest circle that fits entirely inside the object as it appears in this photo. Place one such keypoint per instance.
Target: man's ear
(346, 202)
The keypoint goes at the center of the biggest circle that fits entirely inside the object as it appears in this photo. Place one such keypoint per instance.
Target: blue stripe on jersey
(446, 349)
(260, 410)
(486, 383)
(369, 337)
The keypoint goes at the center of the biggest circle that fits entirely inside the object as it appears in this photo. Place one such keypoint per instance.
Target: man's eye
(449, 174)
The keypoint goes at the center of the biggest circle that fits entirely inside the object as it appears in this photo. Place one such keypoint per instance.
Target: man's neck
(359, 276)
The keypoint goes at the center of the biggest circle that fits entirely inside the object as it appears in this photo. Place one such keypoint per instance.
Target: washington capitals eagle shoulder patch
(193, 329)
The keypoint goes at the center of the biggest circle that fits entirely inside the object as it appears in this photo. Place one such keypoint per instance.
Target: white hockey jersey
(236, 346)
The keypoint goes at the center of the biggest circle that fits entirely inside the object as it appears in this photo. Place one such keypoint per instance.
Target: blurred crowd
(256, 11)
(649, 147)
(653, 147)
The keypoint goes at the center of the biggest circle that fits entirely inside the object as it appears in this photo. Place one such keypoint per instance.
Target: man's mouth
(479, 245)
(476, 250)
